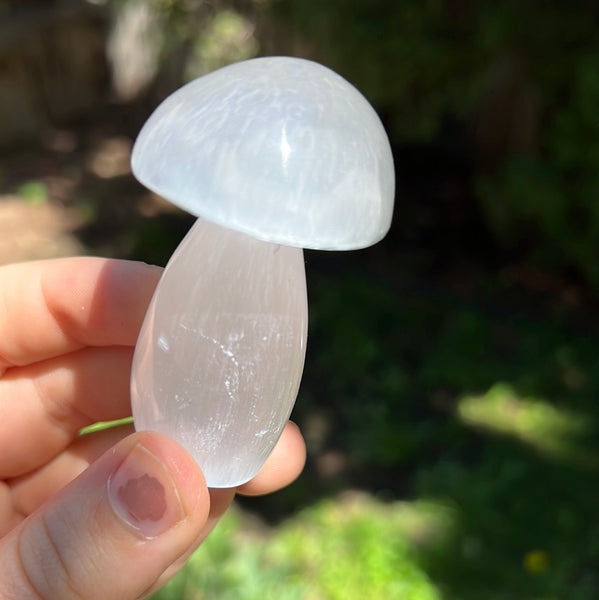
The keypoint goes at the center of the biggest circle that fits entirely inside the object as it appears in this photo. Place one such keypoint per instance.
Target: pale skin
(112, 514)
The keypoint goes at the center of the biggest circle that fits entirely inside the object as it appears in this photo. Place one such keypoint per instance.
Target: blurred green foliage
(33, 192)
(352, 548)
(412, 380)
(548, 200)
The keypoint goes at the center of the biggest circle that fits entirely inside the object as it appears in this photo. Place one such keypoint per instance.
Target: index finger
(53, 307)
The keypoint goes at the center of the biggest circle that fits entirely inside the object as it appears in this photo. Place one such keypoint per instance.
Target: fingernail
(143, 494)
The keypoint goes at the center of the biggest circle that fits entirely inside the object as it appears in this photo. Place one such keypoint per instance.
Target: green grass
(352, 547)
(105, 425)
(551, 430)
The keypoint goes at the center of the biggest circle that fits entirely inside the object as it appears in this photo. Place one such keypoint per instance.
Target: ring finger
(43, 406)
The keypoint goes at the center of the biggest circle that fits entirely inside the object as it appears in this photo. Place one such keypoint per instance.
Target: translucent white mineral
(273, 154)
(221, 352)
(281, 148)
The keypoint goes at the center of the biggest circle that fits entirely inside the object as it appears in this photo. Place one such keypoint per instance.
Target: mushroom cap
(280, 148)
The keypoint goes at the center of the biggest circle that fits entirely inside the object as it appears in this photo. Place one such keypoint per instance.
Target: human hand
(112, 514)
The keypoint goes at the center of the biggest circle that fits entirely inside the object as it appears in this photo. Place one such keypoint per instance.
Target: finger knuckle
(43, 567)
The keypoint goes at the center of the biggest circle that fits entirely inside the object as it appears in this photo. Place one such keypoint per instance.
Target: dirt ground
(34, 232)
(71, 194)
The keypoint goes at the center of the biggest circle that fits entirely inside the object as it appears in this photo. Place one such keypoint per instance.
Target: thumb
(113, 531)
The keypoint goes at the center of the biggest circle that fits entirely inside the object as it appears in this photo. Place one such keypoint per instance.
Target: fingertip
(107, 298)
(186, 473)
(114, 530)
(282, 467)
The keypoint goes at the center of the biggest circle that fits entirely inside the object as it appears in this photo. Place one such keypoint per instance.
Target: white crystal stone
(220, 355)
(281, 148)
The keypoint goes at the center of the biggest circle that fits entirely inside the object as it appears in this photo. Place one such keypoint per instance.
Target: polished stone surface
(220, 356)
(281, 148)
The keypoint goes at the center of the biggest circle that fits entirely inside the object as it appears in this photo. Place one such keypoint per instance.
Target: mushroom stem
(220, 356)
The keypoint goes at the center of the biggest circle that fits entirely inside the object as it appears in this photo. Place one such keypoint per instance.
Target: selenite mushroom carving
(273, 155)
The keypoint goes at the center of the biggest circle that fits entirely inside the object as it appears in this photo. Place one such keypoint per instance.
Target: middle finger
(43, 406)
